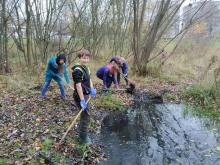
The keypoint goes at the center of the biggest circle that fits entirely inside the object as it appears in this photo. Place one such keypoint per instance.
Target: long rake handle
(73, 122)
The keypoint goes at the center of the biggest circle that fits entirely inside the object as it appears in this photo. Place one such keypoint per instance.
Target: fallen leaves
(30, 128)
(27, 126)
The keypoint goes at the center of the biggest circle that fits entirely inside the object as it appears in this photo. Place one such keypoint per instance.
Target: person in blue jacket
(56, 68)
(123, 65)
(107, 74)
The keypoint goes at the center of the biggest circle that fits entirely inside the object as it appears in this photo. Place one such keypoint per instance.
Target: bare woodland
(31, 29)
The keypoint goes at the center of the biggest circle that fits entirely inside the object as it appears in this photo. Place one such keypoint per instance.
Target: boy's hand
(83, 104)
(92, 92)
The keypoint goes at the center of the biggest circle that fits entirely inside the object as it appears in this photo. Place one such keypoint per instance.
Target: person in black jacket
(83, 89)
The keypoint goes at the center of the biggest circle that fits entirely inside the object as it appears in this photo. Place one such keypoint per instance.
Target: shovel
(131, 85)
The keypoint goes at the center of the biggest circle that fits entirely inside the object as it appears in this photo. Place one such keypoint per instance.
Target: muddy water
(159, 134)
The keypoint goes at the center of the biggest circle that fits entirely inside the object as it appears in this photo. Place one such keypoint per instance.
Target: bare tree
(1, 37)
(39, 25)
(164, 16)
(28, 31)
(4, 38)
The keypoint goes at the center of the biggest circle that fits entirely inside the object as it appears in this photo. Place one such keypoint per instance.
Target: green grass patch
(47, 144)
(107, 100)
(3, 161)
(199, 111)
(201, 100)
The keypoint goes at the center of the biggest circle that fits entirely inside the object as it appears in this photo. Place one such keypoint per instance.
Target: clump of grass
(200, 96)
(82, 148)
(202, 100)
(153, 70)
(150, 69)
(169, 79)
(169, 97)
(47, 144)
(108, 101)
(3, 162)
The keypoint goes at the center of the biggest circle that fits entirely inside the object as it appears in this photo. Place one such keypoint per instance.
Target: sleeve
(49, 69)
(66, 74)
(77, 76)
(53, 63)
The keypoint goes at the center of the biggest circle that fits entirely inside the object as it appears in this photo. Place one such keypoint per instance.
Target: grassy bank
(201, 100)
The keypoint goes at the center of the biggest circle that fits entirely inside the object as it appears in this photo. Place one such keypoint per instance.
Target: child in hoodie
(56, 67)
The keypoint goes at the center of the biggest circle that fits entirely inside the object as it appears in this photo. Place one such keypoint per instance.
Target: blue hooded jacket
(52, 71)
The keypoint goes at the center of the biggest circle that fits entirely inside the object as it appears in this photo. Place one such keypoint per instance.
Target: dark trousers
(84, 119)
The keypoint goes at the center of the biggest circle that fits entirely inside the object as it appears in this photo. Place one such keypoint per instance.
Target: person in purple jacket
(123, 65)
(107, 74)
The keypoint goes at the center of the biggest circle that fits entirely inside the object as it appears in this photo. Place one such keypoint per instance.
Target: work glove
(83, 104)
(92, 92)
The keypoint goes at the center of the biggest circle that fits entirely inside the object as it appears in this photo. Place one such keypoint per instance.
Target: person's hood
(60, 56)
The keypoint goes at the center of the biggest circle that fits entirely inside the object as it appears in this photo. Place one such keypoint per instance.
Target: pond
(159, 134)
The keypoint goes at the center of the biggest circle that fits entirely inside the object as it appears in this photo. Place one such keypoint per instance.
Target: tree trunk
(142, 53)
(1, 37)
(28, 32)
(5, 37)
(217, 85)
(135, 34)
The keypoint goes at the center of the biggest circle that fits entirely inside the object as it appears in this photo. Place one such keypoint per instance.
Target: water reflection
(159, 134)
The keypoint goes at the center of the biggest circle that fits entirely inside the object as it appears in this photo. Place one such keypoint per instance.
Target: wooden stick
(73, 122)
